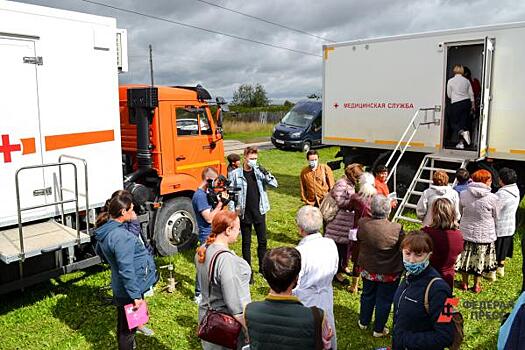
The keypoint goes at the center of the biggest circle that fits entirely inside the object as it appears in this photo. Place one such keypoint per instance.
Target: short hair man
(252, 204)
(462, 180)
(234, 162)
(204, 212)
(316, 180)
(281, 318)
(319, 263)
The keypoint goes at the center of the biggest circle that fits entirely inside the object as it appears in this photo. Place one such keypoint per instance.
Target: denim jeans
(378, 295)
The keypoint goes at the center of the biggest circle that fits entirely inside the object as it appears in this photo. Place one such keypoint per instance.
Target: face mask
(252, 163)
(313, 163)
(416, 268)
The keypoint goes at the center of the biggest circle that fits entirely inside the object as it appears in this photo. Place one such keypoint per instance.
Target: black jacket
(414, 328)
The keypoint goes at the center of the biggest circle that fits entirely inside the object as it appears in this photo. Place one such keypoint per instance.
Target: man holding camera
(252, 204)
(204, 212)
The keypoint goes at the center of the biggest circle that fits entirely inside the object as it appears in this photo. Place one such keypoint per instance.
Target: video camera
(221, 190)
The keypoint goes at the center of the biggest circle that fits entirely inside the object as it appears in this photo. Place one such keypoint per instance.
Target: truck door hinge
(38, 60)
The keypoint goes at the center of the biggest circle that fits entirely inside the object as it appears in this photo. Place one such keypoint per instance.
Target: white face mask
(252, 163)
(313, 163)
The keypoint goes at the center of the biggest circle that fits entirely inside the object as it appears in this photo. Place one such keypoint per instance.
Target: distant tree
(288, 104)
(314, 95)
(250, 96)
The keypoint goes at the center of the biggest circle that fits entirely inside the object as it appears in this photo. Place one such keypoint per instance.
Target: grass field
(70, 312)
(247, 131)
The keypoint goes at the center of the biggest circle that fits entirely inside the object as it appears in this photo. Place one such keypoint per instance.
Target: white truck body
(59, 96)
(372, 87)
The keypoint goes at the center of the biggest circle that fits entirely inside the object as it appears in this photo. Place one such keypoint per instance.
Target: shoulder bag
(218, 327)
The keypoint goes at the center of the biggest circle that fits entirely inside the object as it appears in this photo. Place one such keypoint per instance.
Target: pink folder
(136, 317)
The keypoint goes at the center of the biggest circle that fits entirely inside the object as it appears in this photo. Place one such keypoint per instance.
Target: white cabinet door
(19, 130)
(486, 95)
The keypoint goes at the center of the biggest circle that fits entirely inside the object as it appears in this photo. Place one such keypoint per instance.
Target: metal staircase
(423, 179)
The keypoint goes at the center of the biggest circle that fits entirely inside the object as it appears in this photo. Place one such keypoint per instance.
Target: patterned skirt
(477, 258)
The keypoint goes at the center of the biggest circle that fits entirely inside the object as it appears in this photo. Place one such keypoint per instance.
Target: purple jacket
(479, 212)
(339, 228)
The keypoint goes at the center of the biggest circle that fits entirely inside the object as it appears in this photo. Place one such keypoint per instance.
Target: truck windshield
(302, 114)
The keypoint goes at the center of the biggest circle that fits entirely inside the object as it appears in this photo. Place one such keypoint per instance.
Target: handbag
(218, 327)
(328, 207)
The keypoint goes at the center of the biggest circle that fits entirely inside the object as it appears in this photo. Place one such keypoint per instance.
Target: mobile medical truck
(70, 137)
(384, 101)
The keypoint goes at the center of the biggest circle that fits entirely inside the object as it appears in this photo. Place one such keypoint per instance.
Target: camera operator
(204, 213)
(252, 203)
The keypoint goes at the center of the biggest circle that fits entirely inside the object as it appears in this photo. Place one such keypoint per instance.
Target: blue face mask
(416, 268)
(252, 163)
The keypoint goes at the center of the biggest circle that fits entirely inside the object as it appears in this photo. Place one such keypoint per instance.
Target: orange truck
(168, 138)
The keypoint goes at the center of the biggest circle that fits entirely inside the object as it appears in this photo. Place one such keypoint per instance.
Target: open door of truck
(486, 95)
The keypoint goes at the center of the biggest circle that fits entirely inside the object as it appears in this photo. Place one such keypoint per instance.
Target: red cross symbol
(6, 148)
(336, 105)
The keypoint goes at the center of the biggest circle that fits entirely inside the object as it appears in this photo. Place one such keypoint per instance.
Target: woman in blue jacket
(414, 327)
(133, 270)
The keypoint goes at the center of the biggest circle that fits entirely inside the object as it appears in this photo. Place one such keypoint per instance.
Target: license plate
(279, 141)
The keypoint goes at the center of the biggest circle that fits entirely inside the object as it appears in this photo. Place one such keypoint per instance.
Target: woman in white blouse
(461, 95)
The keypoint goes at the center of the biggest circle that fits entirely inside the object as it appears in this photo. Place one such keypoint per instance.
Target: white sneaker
(466, 136)
(197, 299)
(500, 271)
(491, 276)
(460, 145)
(148, 332)
(382, 334)
(361, 326)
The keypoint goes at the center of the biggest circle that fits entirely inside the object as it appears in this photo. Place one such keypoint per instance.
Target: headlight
(295, 135)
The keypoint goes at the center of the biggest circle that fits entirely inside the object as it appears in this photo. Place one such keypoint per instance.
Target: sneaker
(148, 332)
(491, 276)
(382, 334)
(460, 145)
(361, 326)
(500, 271)
(466, 136)
(197, 299)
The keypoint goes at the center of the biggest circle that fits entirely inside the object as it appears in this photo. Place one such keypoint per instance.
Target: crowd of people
(466, 229)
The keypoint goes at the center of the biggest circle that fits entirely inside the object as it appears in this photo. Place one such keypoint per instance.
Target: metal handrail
(86, 187)
(61, 201)
(415, 127)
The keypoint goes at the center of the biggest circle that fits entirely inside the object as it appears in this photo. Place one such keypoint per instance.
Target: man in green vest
(281, 321)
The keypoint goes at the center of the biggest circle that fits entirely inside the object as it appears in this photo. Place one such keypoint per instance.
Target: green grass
(70, 313)
(247, 131)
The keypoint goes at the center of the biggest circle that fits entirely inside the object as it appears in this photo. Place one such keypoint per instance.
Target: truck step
(436, 169)
(425, 181)
(38, 239)
(406, 218)
(410, 205)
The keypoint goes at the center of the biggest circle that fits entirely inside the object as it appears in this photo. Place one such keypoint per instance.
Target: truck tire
(176, 227)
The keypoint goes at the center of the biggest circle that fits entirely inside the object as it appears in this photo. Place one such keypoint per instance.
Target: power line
(265, 20)
(200, 28)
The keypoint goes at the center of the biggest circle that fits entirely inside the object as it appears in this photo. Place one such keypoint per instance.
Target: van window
(316, 125)
(302, 114)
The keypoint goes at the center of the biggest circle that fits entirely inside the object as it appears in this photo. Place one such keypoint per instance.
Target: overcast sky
(185, 56)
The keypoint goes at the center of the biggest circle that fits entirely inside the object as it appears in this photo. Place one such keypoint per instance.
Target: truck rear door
(19, 129)
(486, 94)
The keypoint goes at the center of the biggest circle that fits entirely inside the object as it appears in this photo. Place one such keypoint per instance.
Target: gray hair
(380, 207)
(367, 186)
(309, 219)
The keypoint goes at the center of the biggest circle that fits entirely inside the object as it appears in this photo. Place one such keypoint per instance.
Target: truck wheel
(176, 227)
(405, 175)
(306, 146)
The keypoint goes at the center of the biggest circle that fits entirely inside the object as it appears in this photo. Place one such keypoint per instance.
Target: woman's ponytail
(221, 221)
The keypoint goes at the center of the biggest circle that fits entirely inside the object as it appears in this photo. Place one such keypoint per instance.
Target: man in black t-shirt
(252, 204)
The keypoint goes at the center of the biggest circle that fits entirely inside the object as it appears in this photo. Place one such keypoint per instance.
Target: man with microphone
(252, 204)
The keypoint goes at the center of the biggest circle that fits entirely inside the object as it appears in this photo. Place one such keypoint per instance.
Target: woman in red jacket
(448, 240)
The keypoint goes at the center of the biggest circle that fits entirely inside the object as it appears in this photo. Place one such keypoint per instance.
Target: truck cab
(300, 128)
(168, 137)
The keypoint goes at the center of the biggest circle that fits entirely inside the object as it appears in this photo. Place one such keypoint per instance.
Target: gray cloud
(188, 56)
